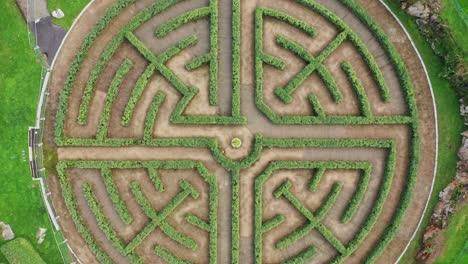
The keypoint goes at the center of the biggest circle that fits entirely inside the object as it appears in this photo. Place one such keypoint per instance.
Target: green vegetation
(314, 218)
(358, 195)
(450, 123)
(284, 93)
(157, 218)
(455, 14)
(71, 9)
(20, 251)
(114, 194)
(236, 143)
(21, 204)
(357, 86)
(111, 94)
(455, 245)
(157, 64)
(105, 226)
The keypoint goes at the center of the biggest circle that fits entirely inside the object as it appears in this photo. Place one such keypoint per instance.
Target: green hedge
(261, 227)
(236, 64)
(345, 251)
(110, 97)
(156, 179)
(302, 257)
(114, 195)
(104, 58)
(407, 87)
(150, 120)
(198, 62)
(315, 64)
(97, 30)
(312, 32)
(315, 180)
(157, 217)
(358, 195)
(157, 63)
(70, 202)
(329, 201)
(357, 86)
(175, 23)
(20, 251)
(168, 256)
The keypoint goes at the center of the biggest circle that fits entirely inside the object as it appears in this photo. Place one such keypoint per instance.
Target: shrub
(101, 24)
(303, 257)
(168, 256)
(358, 195)
(151, 116)
(288, 19)
(315, 180)
(175, 23)
(114, 194)
(315, 219)
(357, 86)
(111, 94)
(156, 179)
(67, 193)
(20, 251)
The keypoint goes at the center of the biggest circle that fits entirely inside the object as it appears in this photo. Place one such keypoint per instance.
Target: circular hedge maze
(232, 131)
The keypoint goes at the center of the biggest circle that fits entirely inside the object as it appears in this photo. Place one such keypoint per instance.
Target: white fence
(35, 144)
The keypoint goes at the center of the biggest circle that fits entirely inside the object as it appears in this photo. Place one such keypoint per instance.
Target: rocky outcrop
(7, 232)
(442, 43)
(439, 37)
(40, 235)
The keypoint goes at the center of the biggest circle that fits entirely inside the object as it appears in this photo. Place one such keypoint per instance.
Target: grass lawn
(21, 205)
(455, 239)
(450, 123)
(71, 9)
(455, 15)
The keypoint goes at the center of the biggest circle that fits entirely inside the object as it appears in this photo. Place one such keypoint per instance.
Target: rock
(58, 13)
(40, 235)
(430, 232)
(463, 152)
(403, 5)
(7, 232)
(419, 10)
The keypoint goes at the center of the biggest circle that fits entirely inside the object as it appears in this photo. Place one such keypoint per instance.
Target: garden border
(435, 123)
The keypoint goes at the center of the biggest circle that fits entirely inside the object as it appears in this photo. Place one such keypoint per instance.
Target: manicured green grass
(21, 205)
(456, 239)
(71, 9)
(450, 123)
(455, 15)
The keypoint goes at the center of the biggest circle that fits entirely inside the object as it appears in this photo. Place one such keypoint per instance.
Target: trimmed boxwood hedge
(20, 251)
(168, 256)
(235, 165)
(345, 250)
(358, 195)
(175, 23)
(70, 202)
(285, 93)
(96, 31)
(407, 87)
(111, 94)
(114, 194)
(105, 226)
(357, 86)
(157, 218)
